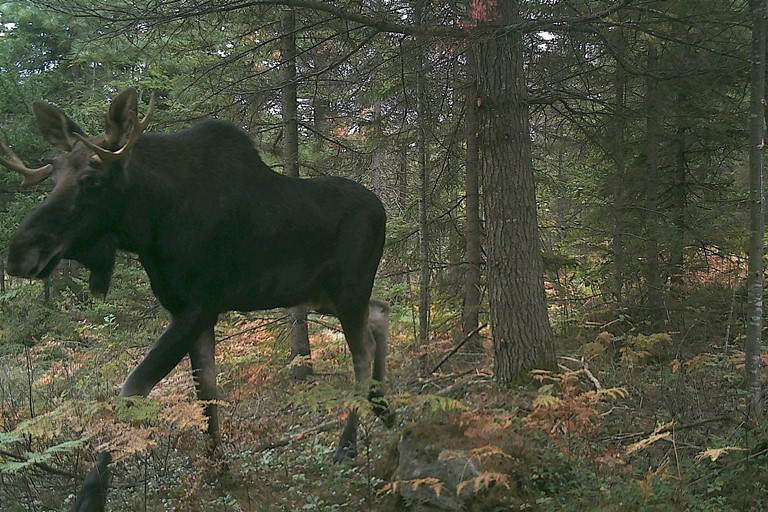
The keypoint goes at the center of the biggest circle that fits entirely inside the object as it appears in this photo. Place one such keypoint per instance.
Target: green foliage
(63, 353)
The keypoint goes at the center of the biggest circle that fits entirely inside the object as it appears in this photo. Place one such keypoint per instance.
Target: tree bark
(653, 276)
(753, 343)
(377, 156)
(320, 101)
(298, 314)
(425, 272)
(402, 176)
(679, 192)
(617, 151)
(472, 296)
(522, 336)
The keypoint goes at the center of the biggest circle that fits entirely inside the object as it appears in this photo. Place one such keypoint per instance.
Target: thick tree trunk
(298, 314)
(470, 315)
(522, 336)
(753, 343)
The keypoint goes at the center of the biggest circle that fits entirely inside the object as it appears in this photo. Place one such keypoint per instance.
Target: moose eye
(90, 181)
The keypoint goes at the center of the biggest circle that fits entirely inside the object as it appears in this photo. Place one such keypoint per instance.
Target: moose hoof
(344, 452)
(381, 408)
(388, 417)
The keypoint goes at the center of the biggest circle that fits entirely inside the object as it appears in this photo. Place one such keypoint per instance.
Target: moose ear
(121, 116)
(56, 127)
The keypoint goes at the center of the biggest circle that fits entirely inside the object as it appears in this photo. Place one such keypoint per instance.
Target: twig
(465, 380)
(672, 427)
(285, 441)
(253, 328)
(457, 347)
(584, 368)
(434, 380)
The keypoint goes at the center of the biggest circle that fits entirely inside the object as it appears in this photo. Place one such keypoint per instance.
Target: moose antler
(108, 157)
(30, 176)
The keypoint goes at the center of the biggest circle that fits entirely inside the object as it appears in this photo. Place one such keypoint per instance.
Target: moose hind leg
(202, 355)
(378, 330)
(360, 342)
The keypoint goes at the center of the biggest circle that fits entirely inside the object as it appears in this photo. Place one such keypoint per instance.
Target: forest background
(575, 174)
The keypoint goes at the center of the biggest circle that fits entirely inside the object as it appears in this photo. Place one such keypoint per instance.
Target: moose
(216, 230)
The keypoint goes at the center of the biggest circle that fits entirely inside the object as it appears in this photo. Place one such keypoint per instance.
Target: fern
(43, 457)
(484, 481)
(660, 432)
(136, 408)
(435, 484)
(715, 453)
(563, 403)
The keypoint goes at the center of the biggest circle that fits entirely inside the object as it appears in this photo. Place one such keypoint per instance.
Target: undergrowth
(633, 420)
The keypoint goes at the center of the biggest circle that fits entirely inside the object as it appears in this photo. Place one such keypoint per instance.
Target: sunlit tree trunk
(753, 343)
(298, 314)
(522, 336)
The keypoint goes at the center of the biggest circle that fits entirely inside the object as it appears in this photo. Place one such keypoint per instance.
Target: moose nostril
(23, 262)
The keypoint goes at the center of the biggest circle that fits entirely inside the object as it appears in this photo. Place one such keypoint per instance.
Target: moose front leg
(202, 355)
(166, 353)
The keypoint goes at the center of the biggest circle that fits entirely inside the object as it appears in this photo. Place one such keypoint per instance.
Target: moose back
(216, 230)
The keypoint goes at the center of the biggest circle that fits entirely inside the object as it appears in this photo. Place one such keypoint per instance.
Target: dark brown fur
(216, 230)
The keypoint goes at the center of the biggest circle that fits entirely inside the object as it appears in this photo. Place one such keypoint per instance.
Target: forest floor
(630, 422)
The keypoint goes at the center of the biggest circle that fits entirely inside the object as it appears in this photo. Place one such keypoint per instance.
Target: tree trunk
(617, 151)
(470, 315)
(679, 192)
(753, 343)
(377, 157)
(320, 102)
(421, 144)
(298, 314)
(522, 336)
(653, 276)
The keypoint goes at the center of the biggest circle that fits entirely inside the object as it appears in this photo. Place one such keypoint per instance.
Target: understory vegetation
(632, 421)
(568, 180)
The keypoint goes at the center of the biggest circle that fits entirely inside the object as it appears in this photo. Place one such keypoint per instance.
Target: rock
(430, 477)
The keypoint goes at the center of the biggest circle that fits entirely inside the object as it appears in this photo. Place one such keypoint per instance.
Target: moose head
(88, 180)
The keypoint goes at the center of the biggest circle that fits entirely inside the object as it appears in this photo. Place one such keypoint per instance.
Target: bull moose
(216, 230)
